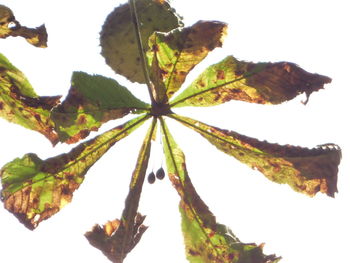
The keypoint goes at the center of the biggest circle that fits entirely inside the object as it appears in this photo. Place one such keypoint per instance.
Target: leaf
(34, 189)
(9, 26)
(206, 241)
(119, 237)
(20, 104)
(118, 39)
(173, 55)
(92, 101)
(108, 241)
(264, 83)
(305, 170)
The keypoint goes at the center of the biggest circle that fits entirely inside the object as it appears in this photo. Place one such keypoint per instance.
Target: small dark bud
(160, 173)
(151, 178)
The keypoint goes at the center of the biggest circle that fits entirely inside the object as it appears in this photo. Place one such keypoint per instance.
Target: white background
(313, 34)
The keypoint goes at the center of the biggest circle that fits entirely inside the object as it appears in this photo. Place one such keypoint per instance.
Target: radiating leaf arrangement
(145, 41)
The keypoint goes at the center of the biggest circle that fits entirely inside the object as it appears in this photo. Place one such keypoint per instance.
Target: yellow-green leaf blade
(117, 242)
(34, 189)
(92, 100)
(206, 241)
(35, 36)
(173, 55)
(305, 170)
(264, 83)
(21, 105)
(118, 40)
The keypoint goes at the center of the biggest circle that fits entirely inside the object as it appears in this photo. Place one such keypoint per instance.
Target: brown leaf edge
(306, 170)
(205, 239)
(36, 36)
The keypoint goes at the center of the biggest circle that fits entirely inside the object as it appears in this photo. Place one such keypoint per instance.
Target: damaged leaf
(9, 26)
(34, 189)
(92, 100)
(118, 39)
(173, 55)
(305, 170)
(20, 104)
(206, 241)
(109, 238)
(117, 241)
(264, 83)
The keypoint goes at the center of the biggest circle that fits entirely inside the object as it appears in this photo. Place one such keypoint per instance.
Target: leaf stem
(145, 69)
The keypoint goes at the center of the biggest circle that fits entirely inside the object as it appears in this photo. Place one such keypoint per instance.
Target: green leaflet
(34, 189)
(305, 170)
(264, 83)
(35, 36)
(92, 100)
(126, 233)
(20, 104)
(118, 39)
(206, 241)
(173, 55)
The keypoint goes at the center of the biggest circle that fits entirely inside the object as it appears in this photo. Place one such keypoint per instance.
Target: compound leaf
(9, 26)
(34, 189)
(173, 55)
(92, 100)
(118, 39)
(206, 241)
(305, 170)
(20, 104)
(119, 237)
(264, 83)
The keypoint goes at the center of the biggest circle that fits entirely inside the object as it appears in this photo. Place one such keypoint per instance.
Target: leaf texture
(119, 237)
(206, 241)
(34, 189)
(21, 105)
(173, 55)
(263, 83)
(305, 170)
(92, 100)
(9, 26)
(118, 39)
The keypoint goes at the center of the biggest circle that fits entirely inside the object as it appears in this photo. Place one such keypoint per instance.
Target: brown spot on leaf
(1, 105)
(81, 120)
(220, 74)
(65, 190)
(193, 252)
(37, 117)
(201, 83)
(231, 256)
(155, 48)
(239, 73)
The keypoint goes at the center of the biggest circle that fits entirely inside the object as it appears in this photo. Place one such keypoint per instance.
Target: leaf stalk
(145, 69)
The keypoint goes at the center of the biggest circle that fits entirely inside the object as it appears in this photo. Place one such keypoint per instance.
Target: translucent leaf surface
(206, 241)
(117, 242)
(92, 101)
(9, 26)
(20, 104)
(264, 83)
(173, 55)
(118, 39)
(34, 189)
(305, 170)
